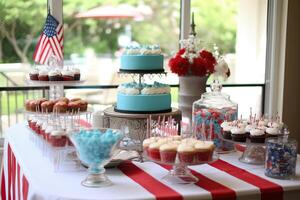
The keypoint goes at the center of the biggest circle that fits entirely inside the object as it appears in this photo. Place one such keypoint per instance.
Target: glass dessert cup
(179, 172)
(95, 148)
(254, 153)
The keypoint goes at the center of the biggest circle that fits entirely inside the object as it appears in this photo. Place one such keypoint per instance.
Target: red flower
(198, 67)
(181, 51)
(208, 56)
(179, 65)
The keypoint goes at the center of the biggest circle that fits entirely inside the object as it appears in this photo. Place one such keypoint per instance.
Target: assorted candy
(95, 146)
(208, 121)
(281, 158)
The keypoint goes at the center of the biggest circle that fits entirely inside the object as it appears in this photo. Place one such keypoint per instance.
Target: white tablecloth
(43, 183)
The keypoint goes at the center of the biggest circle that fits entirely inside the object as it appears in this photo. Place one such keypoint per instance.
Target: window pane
(238, 27)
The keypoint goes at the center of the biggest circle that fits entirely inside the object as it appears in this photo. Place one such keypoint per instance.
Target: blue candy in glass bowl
(95, 148)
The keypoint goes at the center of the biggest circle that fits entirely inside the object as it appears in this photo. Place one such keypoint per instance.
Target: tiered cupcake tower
(52, 120)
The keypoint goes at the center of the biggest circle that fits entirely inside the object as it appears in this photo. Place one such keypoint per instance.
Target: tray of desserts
(251, 131)
(173, 150)
(60, 106)
(54, 76)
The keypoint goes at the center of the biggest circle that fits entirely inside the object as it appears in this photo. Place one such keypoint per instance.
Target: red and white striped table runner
(223, 179)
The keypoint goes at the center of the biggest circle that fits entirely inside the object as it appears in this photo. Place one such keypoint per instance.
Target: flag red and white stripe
(50, 42)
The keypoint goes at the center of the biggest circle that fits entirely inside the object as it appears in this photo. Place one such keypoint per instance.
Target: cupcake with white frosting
(168, 152)
(67, 75)
(257, 135)
(186, 153)
(43, 75)
(272, 132)
(204, 151)
(238, 134)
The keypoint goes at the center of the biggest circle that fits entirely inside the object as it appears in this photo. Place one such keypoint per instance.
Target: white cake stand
(56, 88)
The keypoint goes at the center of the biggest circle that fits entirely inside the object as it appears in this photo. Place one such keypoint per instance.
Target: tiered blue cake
(140, 97)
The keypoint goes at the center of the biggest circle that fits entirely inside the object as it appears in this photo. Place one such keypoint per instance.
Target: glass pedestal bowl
(95, 148)
(179, 172)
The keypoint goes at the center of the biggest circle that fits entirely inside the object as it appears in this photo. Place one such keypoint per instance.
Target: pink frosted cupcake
(168, 152)
(204, 151)
(186, 153)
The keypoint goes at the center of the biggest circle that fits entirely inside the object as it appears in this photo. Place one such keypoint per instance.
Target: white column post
(185, 14)
(56, 8)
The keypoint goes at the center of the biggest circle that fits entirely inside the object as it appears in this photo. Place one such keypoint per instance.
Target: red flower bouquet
(190, 62)
(202, 64)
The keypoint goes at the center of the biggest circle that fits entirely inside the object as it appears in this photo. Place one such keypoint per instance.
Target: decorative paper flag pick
(50, 41)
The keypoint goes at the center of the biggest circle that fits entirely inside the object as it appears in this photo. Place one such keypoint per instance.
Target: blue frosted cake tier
(142, 62)
(143, 103)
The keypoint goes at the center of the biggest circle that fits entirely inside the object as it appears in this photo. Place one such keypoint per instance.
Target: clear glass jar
(210, 112)
(281, 157)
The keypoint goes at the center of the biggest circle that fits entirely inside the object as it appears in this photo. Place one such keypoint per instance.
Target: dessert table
(26, 174)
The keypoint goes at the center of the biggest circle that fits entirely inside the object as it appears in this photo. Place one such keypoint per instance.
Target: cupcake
(227, 132)
(47, 106)
(60, 107)
(204, 151)
(34, 75)
(67, 75)
(146, 144)
(55, 75)
(248, 128)
(43, 75)
(57, 138)
(238, 134)
(153, 150)
(76, 72)
(272, 132)
(48, 131)
(186, 153)
(168, 152)
(257, 135)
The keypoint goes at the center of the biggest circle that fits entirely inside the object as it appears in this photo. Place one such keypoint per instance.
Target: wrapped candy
(281, 157)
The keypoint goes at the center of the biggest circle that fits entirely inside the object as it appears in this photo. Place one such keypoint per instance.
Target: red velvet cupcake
(153, 151)
(58, 138)
(43, 75)
(204, 151)
(168, 152)
(67, 75)
(186, 153)
(34, 75)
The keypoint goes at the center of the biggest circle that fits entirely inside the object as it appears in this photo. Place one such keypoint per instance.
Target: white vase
(190, 89)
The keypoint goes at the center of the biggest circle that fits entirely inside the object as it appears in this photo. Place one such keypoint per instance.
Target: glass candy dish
(95, 148)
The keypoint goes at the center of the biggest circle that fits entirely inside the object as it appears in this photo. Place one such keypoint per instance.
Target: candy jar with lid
(210, 112)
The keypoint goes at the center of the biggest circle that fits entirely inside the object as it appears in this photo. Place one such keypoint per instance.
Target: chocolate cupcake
(272, 132)
(257, 135)
(55, 75)
(227, 132)
(34, 75)
(248, 128)
(238, 134)
(76, 72)
(43, 75)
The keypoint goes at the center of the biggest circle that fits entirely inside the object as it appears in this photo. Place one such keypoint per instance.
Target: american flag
(50, 42)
